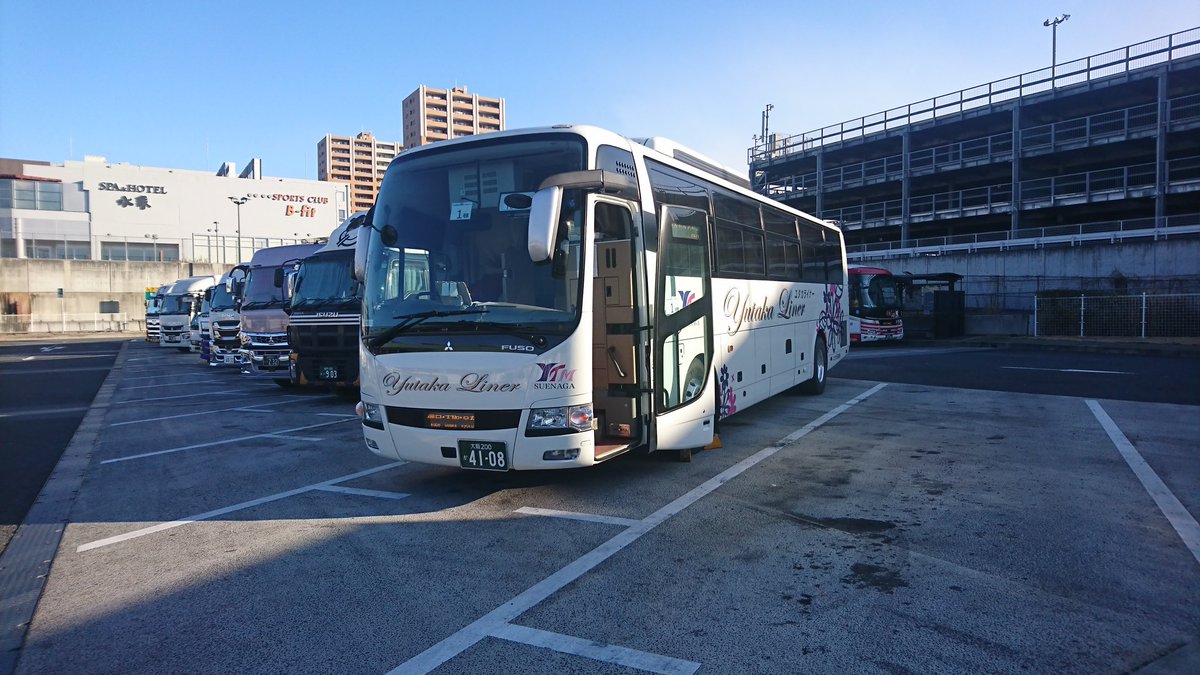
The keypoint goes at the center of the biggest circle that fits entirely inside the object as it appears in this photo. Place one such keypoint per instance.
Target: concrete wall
(30, 287)
(1132, 259)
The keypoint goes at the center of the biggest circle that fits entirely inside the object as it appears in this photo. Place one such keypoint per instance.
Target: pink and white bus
(874, 305)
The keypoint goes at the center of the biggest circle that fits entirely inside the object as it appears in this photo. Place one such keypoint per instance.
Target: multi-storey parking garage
(1104, 145)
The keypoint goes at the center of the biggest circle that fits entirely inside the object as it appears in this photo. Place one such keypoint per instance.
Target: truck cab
(154, 298)
(323, 301)
(224, 321)
(263, 333)
(180, 305)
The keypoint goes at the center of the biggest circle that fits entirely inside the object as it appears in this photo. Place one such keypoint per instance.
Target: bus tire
(816, 384)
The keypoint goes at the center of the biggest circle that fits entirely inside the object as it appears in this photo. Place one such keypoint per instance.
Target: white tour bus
(552, 298)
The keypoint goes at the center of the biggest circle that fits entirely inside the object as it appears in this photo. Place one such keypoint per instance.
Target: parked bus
(584, 294)
(875, 305)
(322, 301)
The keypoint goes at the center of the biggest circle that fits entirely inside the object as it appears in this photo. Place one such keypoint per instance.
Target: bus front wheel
(816, 384)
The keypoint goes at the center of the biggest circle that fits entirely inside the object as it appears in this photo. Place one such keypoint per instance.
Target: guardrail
(68, 323)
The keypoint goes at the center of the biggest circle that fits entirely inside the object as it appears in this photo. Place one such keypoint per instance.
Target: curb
(26, 562)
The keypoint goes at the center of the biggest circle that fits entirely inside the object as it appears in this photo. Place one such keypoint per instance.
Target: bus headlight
(372, 414)
(576, 417)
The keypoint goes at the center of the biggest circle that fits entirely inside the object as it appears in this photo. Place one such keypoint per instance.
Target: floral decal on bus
(833, 321)
(728, 395)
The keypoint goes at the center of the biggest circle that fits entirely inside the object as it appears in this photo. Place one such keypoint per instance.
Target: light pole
(216, 230)
(154, 242)
(1053, 24)
(239, 201)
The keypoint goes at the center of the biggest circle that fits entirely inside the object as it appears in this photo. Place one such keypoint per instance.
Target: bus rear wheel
(816, 384)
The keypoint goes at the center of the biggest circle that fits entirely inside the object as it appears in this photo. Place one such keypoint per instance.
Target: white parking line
(209, 412)
(168, 398)
(495, 620)
(1183, 522)
(229, 509)
(570, 515)
(1069, 370)
(291, 438)
(208, 383)
(364, 493)
(44, 412)
(622, 656)
(221, 442)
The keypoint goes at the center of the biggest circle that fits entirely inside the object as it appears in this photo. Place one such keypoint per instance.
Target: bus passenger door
(684, 394)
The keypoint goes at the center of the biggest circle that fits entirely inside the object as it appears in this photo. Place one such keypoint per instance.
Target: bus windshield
(325, 280)
(461, 245)
(261, 291)
(873, 293)
(221, 299)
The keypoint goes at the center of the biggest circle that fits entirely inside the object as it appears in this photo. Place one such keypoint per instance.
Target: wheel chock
(716, 443)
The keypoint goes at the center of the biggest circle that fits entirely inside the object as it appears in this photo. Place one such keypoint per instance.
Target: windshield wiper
(411, 320)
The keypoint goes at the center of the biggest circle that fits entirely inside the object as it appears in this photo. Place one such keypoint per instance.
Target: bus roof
(345, 235)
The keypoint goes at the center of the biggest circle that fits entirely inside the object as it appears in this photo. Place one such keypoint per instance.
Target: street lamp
(216, 230)
(1053, 24)
(154, 242)
(239, 201)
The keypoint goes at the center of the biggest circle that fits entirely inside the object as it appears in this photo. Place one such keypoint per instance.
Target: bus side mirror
(543, 222)
(359, 271)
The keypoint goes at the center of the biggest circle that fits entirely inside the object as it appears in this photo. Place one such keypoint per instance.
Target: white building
(101, 211)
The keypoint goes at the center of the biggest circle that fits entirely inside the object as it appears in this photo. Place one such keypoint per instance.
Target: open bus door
(684, 390)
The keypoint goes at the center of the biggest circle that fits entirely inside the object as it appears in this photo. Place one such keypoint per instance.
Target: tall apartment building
(359, 162)
(438, 114)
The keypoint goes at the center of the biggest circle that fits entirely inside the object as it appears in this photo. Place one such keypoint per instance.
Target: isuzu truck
(322, 301)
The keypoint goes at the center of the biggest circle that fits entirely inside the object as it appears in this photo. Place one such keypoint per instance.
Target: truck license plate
(483, 455)
(327, 372)
(271, 361)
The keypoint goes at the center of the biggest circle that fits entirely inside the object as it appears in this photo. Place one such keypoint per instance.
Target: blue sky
(193, 84)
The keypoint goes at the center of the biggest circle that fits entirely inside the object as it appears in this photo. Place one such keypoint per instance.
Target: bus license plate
(327, 373)
(484, 455)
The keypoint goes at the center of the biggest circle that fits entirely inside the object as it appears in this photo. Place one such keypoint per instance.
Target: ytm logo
(556, 372)
(687, 297)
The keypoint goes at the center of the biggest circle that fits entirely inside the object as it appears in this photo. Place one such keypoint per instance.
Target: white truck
(179, 306)
(224, 322)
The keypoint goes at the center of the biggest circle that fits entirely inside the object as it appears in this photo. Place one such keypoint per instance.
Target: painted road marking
(206, 383)
(570, 515)
(221, 442)
(292, 438)
(209, 412)
(1183, 522)
(168, 398)
(622, 656)
(364, 493)
(1070, 370)
(495, 620)
(229, 509)
(44, 412)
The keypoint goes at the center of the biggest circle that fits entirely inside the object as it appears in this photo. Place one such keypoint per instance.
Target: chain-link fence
(1140, 316)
